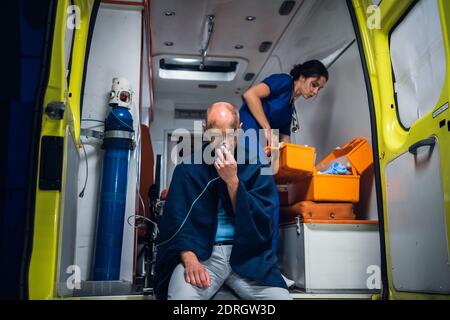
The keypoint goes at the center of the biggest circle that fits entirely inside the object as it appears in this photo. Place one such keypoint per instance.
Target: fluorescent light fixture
(196, 75)
(187, 67)
(186, 60)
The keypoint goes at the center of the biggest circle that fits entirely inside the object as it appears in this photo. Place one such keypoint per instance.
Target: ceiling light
(250, 18)
(185, 60)
(239, 46)
(168, 43)
(169, 13)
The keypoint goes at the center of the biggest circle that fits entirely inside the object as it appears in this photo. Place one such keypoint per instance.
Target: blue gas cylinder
(117, 143)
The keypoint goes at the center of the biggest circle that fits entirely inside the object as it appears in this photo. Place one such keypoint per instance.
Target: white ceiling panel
(184, 29)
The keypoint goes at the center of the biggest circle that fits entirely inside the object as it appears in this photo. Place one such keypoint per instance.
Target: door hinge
(55, 110)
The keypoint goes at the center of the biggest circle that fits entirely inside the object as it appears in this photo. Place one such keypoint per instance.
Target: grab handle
(425, 142)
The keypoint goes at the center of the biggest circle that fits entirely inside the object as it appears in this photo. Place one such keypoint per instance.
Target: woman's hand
(195, 272)
(285, 138)
(268, 135)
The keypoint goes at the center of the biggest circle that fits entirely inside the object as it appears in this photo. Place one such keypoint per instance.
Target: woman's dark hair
(312, 68)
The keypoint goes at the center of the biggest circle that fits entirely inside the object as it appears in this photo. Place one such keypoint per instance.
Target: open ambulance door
(56, 189)
(407, 54)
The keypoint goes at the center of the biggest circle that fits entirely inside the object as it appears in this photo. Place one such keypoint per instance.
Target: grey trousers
(218, 266)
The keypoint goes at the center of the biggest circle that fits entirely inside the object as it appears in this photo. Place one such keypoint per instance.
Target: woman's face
(309, 87)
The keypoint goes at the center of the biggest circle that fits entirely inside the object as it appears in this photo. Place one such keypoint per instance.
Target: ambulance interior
(161, 58)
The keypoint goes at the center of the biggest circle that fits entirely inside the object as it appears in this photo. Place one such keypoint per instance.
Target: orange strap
(333, 221)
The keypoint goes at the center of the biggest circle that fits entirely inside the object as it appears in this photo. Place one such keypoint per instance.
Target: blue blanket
(252, 256)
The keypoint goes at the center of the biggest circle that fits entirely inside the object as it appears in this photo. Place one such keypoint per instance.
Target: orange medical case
(328, 187)
(357, 152)
(312, 210)
(295, 162)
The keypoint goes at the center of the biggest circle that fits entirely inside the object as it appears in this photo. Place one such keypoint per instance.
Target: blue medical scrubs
(278, 110)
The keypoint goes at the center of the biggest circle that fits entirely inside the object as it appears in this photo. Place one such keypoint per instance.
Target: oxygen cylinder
(117, 143)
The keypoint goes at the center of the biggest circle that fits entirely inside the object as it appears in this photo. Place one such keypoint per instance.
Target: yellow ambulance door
(55, 202)
(406, 45)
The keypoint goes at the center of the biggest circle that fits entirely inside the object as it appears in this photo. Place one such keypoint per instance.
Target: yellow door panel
(393, 139)
(47, 222)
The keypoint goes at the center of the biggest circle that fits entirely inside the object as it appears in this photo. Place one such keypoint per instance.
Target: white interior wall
(319, 29)
(340, 112)
(115, 51)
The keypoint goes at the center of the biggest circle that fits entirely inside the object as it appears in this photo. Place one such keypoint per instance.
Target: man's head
(222, 115)
(222, 120)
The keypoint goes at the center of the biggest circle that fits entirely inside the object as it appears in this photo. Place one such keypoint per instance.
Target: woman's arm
(253, 98)
(285, 138)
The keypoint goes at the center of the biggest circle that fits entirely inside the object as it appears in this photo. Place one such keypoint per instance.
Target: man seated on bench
(217, 224)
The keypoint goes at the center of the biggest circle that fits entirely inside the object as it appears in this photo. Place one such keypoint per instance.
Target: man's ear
(240, 126)
(204, 126)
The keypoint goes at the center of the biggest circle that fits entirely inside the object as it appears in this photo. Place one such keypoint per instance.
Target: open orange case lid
(358, 152)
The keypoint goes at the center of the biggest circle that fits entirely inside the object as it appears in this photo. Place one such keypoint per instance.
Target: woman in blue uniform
(270, 105)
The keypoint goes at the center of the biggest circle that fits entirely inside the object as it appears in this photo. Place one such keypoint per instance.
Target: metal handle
(425, 142)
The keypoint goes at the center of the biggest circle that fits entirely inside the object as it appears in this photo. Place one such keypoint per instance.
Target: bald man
(217, 225)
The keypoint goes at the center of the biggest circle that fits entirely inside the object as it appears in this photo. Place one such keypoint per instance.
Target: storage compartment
(330, 256)
(356, 154)
(295, 162)
(306, 210)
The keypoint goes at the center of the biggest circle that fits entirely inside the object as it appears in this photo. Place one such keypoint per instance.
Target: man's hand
(226, 166)
(195, 272)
